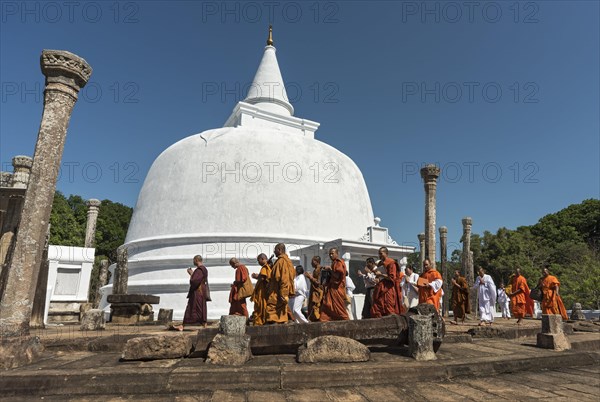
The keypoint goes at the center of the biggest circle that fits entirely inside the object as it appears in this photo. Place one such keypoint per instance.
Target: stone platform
(67, 369)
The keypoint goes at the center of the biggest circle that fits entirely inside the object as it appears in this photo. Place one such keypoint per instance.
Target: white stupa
(238, 190)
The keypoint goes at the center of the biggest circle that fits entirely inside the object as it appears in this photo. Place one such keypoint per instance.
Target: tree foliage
(68, 220)
(568, 241)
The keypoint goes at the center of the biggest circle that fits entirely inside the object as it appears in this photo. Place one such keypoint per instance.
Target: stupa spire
(268, 90)
(270, 39)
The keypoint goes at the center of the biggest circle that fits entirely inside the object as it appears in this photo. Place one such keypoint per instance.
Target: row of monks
(327, 298)
(517, 291)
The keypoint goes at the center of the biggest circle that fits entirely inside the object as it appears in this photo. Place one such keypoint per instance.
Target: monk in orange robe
(552, 302)
(431, 293)
(460, 297)
(238, 306)
(519, 293)
(333, 306)
(281, 287)
(259, 297)
(316, 290)
(387, 295)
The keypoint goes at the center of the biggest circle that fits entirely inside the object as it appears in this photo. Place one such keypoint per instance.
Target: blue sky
(503, 95)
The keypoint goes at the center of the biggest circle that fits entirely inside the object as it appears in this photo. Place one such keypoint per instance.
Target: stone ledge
(134, 298)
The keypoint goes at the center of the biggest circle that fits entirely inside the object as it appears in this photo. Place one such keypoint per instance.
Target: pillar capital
(6, 179)
(22, 162)
(443, 231)
(93, 203)
(430, 173)
(62, 67)
(421, 237)
(467, 221)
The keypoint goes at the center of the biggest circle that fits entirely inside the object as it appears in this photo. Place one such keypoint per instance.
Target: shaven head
(197, 260)
(279, 249)
(234, 262)
(315, 261)
(333, 253)
(383, 253)
(262, 259)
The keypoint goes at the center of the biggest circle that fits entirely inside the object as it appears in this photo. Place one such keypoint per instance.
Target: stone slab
(158, 347)
(333, 349)
(19, 351)
(134, 298)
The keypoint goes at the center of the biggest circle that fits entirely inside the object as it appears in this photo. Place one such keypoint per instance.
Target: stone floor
(499, 368)
(580, 383)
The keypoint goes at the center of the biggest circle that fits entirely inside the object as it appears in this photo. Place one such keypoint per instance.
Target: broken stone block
(333, 349)
(420, 338)
(92, 320)
(19, 351)
(158, 347)
(552, 336)
(165, 316)
(229, 350)
(83, 308)
(234, 325)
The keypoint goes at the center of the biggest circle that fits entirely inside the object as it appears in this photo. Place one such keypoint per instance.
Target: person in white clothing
(349, 295)
(486, 292)
(410, 291)
(504, 301)
(297, 301)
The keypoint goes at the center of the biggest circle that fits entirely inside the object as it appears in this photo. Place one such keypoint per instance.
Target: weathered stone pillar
(6, 179)
(22, 170)
(102, 280)
(430, 173)
(65, 74)
(421, 237)
(552, 336)
(41, 288)
(444, 267)
(92, 218)
(577, 312)
(420, 338)
(121, 273)
(467, 261)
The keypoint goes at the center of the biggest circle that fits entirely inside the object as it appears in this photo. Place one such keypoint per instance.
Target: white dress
(486, 293)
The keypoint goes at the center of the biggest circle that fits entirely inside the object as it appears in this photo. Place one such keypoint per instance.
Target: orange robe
(259, 297)
(387, 295)
(237, 306)
(552, 303)
(316, 296)
(426, 294)
(281, 285)
(519, 301)
(333, 307)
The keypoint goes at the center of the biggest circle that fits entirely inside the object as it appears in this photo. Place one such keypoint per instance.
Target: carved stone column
(444, 267)
(65, 74)
(102, 280)
(430, 173)
(421, 237)
(467, 261)
(92, 218)
(121, 273)
(22, 170)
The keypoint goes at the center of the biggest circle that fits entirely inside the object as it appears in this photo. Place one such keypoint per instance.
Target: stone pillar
(421, 237)
(22, 170)
(467, 262)
(121, 273)
(65, 74)
(92, 217)
(102, 280)
(577, 312)
(552, 335)
(430, 173)
(6, 179)
(444, 267)
(420, 338)
(39, 300)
